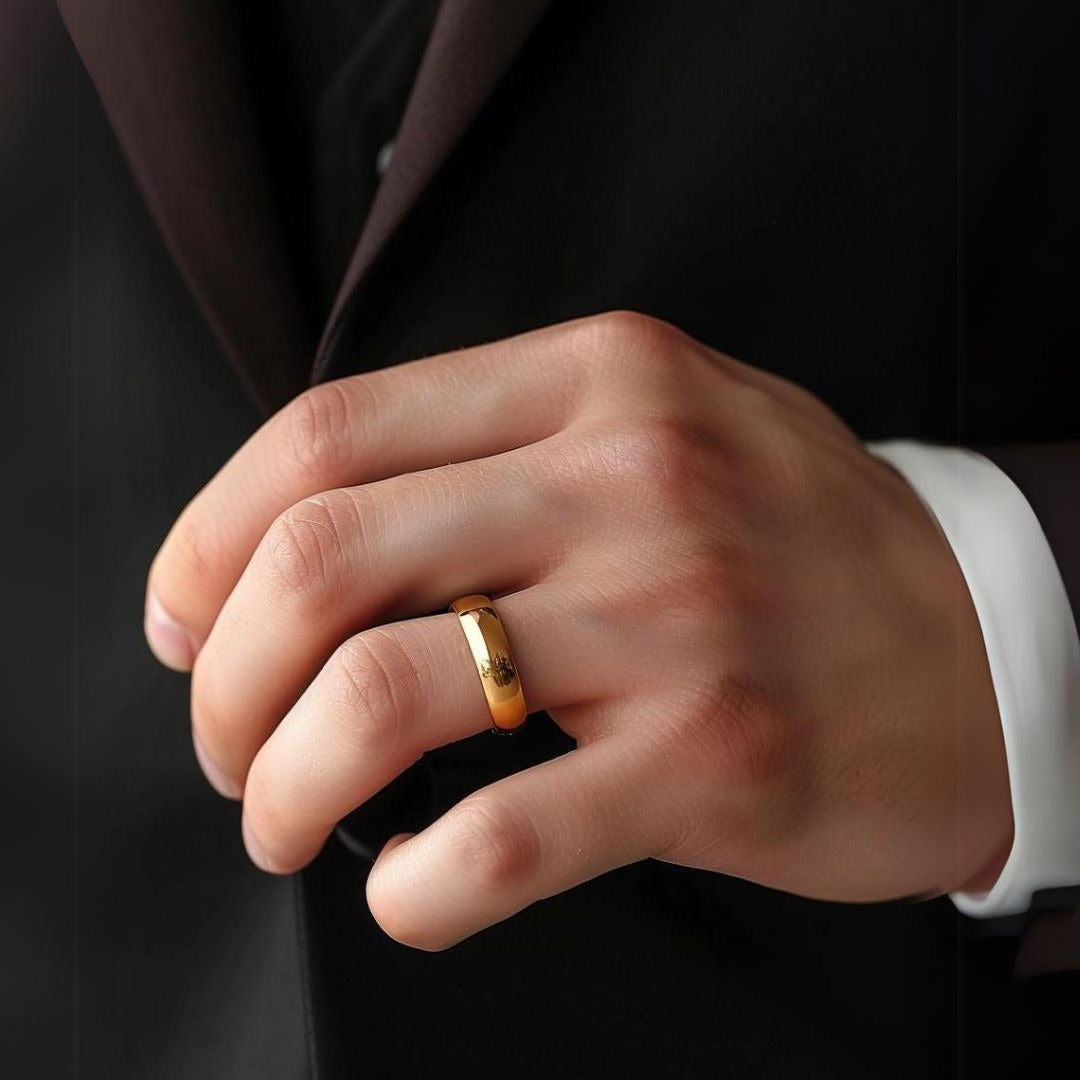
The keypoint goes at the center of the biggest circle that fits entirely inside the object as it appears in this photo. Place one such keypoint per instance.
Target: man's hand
(753, 629)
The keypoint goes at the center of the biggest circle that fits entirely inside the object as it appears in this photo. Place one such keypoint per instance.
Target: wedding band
(494, 661)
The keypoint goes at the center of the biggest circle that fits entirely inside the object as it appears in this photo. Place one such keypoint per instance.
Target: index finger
(451, 408)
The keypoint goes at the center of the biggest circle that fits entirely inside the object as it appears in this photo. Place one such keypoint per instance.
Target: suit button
(383, 158)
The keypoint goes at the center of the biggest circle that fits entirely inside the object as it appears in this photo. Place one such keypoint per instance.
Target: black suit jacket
(872, 199)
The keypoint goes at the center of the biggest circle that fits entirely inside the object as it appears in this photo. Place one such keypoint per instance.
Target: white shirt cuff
(1034, 652)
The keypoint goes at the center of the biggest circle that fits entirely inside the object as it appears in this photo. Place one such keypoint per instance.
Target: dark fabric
(137, 943)
(472, 44)
(1022, 226)
(181, 107)
(331, 81)
(38, 768)
(778, 177)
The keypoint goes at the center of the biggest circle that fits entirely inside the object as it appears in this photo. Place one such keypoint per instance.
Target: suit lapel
(175, 92)
(168, 76)
(472, 44)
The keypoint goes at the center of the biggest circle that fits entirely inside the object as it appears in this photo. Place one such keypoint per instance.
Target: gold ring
(494, 661)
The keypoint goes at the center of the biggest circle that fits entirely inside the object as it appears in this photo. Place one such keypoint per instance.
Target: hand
(753, 629)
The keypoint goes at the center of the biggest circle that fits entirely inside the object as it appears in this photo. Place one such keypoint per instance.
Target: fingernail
(221, 783)
(254, 849)
(167, 639)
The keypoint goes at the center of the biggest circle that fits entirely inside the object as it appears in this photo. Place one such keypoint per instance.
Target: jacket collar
(472, 45)
(167, 76)
(171, 83)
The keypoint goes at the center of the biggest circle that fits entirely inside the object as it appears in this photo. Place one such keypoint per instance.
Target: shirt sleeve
(1033, 648)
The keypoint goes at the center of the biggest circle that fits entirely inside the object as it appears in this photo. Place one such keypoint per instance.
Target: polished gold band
(494, 660)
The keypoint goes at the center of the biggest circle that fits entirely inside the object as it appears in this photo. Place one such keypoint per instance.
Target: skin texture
(755, 632)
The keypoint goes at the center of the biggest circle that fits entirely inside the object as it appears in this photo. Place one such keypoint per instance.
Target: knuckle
(304, 547)
(669, 451)
(744, 777)
(631, 358)
(318, 427)
(493, 849)
(660, 459)
(740, 732)
(615, 340)
(625, 331)
(375, 678)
